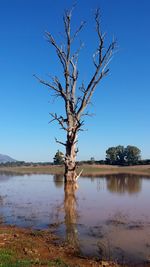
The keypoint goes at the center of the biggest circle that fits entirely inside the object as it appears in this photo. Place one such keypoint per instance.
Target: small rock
(104, 264)
(25, 250)
(30, 251)
(35, 251)
(16, 235)
(36, 260)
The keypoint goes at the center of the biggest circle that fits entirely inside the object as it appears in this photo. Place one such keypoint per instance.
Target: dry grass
(88, 170)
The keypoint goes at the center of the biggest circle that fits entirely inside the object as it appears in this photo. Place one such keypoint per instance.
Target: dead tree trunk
(76, 102)
(70, 161)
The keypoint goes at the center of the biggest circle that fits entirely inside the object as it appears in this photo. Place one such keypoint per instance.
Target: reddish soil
(42, 247)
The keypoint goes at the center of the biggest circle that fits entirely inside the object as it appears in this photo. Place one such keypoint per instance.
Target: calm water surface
(107, 217)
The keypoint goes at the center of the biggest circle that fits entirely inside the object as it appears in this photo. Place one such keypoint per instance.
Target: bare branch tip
(97, 14)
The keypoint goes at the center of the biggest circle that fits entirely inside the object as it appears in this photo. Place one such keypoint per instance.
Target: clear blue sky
(121, 102)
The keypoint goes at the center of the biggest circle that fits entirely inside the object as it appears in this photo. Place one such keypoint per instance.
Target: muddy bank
(26, 247)
(88, 170)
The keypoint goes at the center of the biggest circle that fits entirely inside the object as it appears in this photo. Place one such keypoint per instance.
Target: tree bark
(70, 159)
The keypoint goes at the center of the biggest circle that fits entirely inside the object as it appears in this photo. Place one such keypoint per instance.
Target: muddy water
(107, 217)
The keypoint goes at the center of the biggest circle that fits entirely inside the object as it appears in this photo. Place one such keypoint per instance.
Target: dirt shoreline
(26, 247)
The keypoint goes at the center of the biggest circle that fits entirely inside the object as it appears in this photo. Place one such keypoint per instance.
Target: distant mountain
(5, 158)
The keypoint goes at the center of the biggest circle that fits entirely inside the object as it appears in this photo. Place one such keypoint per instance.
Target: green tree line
(121, 155)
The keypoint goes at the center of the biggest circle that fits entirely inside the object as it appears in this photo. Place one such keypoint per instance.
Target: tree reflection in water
(70, 208)
(123, 183)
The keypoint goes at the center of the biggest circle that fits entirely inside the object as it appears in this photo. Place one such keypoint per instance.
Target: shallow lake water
(106, 217)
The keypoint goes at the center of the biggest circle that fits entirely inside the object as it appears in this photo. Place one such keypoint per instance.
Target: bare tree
(74, 103)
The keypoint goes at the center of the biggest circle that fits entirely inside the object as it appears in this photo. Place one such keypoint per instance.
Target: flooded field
(106, 217)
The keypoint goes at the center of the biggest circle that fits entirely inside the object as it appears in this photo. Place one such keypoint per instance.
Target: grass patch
(8, 259)
(57, 263)
(37, 233)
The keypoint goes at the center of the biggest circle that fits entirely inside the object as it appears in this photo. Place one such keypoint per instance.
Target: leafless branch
(59, 142)
(60, 120)
(61, 53)
(100, 65)
(56, 86)
(78, 30)
(76, 53)
(87, 114)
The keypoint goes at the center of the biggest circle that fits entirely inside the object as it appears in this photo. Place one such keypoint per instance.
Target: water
(107, 217)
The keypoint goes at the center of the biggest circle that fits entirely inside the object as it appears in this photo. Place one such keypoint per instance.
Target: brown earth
(40, 248)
